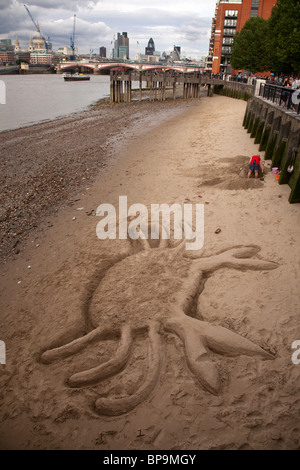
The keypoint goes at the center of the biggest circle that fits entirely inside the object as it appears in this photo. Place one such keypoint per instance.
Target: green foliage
(250, 46)
(284, 36)
(272, 44)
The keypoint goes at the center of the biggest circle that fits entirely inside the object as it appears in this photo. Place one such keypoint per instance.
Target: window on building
(231, 13)
(254, 8)
(226, 50)
(227, 40)
(229, 32)
(229, 22)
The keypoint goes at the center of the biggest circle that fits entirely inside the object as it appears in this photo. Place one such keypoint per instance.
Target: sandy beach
(118, 344)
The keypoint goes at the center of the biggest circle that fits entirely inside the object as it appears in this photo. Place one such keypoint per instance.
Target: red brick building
(231, 15)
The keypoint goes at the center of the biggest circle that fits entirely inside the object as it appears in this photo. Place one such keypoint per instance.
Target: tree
(250, 51)
(284, 36)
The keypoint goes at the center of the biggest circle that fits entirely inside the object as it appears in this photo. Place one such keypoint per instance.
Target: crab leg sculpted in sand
(125, 304)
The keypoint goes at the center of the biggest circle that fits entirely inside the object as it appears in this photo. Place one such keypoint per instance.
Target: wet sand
(43, 166)
(221, 376)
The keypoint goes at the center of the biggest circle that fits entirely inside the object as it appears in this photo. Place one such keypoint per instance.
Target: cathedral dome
(38, 35)
(37, 43)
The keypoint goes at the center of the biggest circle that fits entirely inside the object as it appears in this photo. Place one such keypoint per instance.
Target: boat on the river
(76, 77)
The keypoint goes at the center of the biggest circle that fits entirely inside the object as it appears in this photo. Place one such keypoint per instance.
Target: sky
(185, 23)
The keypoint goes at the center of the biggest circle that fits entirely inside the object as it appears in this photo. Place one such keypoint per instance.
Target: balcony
(226, 51)
(229, 32)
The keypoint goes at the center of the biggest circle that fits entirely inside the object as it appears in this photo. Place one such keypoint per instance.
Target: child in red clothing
(254, 165)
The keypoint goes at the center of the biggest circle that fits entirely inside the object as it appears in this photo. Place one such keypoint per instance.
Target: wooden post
(129, 87)
(119, 84)
(141, 81)
(112, 97)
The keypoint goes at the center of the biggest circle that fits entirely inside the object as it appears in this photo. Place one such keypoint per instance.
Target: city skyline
(185, 24)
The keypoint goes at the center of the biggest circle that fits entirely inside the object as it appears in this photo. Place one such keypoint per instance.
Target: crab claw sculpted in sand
(124, 304)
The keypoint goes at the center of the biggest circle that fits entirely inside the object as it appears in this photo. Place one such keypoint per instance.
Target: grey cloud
(137, 21)
(5, 4)
(87, 34)
(70, 5)
(95, 28)
(195, 30)
(13, 19)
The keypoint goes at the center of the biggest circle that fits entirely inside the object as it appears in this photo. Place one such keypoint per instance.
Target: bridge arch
(76, 65)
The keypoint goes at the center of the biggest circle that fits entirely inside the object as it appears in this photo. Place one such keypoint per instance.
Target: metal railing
(280, 95)
(238, 79)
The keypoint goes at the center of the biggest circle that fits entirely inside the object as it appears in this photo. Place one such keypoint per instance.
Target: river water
(35, 98)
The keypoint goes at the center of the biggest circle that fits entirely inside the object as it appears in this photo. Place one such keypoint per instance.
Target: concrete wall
(234, 90)
(278, 134)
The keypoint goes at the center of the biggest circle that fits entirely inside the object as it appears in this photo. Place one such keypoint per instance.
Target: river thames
(36, 98)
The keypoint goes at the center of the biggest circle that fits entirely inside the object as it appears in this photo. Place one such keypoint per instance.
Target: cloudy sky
(184, 23)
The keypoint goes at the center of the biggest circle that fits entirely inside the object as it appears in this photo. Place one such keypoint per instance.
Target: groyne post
(157, 84)
(278, 134)
(140, 86)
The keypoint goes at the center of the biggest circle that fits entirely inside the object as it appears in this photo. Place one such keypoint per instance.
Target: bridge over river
(105, 67)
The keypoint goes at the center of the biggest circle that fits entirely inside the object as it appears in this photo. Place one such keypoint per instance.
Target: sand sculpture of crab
(125, 304)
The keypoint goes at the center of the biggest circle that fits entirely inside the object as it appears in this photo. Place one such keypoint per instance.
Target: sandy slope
(77, 281)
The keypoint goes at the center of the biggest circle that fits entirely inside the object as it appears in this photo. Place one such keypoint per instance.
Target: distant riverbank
(30, 68)
(9, 70)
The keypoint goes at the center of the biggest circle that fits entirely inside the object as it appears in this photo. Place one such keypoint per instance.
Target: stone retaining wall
(234, 90)
(278, 134)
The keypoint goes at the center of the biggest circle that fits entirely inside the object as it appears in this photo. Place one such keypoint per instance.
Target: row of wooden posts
(156, 84)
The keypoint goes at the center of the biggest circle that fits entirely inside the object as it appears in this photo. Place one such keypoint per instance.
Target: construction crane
(72, 39)
(36, 27)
